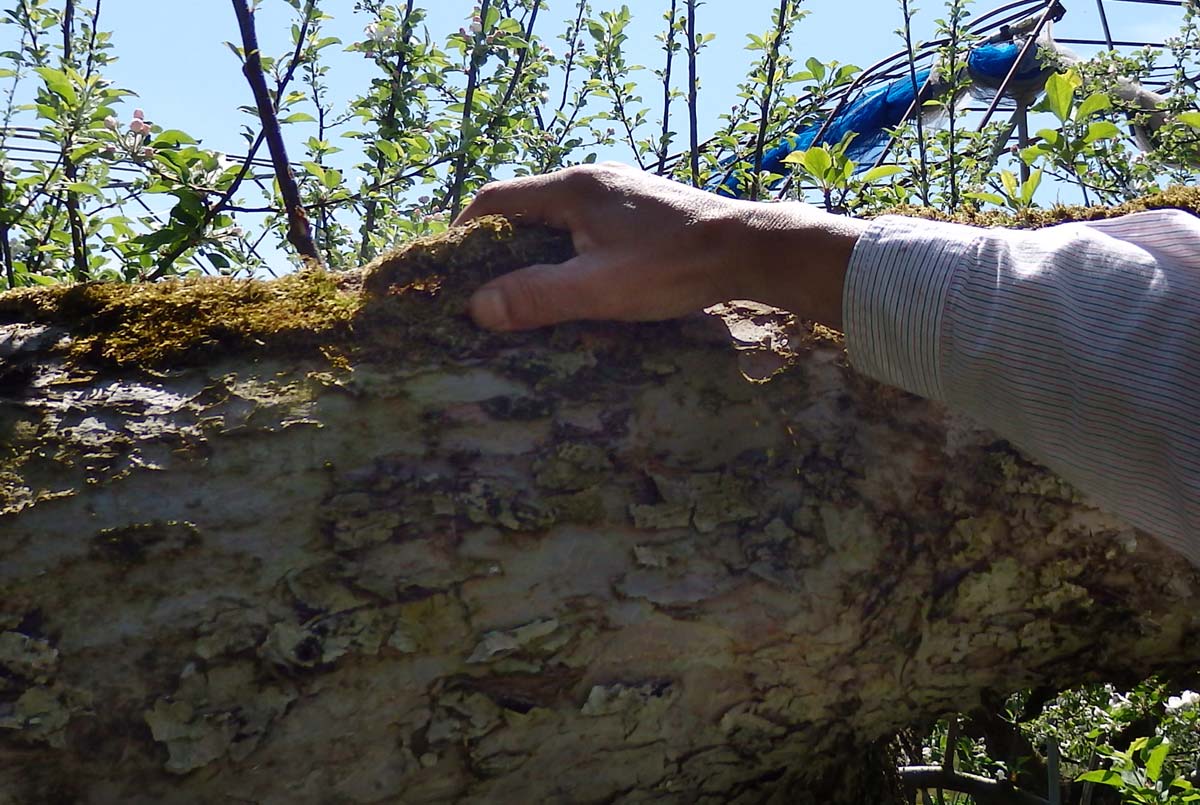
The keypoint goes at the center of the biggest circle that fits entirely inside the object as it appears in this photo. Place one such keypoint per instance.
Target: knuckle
(488, 191)
(593, 179)
(580, 178)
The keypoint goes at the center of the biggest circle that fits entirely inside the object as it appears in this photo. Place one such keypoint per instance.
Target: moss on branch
(419, 286)
(408, 303)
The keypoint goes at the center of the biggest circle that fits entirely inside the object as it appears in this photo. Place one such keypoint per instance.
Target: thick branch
(299, 230)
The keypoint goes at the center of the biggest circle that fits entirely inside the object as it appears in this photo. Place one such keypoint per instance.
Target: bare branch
(299, 230)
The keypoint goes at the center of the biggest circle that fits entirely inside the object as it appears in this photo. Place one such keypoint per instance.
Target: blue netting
(869, 117)
(994, 61)
(872, 115)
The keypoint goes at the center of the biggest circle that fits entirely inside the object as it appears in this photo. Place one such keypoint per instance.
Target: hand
(649, 248)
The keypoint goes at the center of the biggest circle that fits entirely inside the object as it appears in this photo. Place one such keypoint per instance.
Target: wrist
(796, 258)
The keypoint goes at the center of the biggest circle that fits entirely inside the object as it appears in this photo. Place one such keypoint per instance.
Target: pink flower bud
(139, 114)
(111, 123)
(138, 126)
(476, 27)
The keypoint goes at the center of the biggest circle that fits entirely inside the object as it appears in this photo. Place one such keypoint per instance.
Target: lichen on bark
(370, 552)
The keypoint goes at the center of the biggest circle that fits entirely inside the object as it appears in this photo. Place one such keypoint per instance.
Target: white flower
(379, 32)
(1184, 701)
(476, 27)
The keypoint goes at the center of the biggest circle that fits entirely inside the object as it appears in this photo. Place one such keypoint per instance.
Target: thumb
(538, 296)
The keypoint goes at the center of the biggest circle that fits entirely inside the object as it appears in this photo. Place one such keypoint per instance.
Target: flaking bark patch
(406, 560)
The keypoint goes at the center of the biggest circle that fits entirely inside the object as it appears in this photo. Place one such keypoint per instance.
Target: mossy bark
(376, 555)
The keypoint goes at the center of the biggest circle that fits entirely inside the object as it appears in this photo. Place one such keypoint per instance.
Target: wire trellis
(894, 68)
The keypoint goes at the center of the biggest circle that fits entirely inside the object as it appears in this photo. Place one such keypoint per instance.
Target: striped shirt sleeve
(1078, 343)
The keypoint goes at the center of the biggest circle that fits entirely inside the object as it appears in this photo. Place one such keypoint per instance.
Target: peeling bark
(699, 561)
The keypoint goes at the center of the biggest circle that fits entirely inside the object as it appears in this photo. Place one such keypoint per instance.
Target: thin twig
(478, 54)
(952, 152)
(917, 111)
(222, 204)
(665, 140)
(619, 105)
(572, 50)
(693, 87)
(768, 90)
(386, 127)
(74, 217)
(167, 260)
(299, 231)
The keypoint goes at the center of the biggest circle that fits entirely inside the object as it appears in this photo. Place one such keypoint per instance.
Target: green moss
(407, 295)
(156, 325)
(455, 263)
(408, 304)
(1179, 198)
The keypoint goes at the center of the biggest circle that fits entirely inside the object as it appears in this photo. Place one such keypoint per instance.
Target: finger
(540, 198)
(541, 295)
(552, 198)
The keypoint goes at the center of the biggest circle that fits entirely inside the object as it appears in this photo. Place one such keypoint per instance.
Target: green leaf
(173, 137)
(299, 117)
(388, 149)
(1030, 187)
(1154, 763)
(491, 19)
(218, 260)
(59, 83)
(818, 161)
(1032, 154)
(1101, 130)
(881, 172)
(1060, 93)
(1102, 776)
(1094, 103)
(1190, 119)
(990, 198)
(1009, 180)
(84, 189)
(316, 170)
(1051, 136)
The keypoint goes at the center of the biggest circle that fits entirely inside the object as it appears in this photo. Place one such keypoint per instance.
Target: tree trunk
(371, 554)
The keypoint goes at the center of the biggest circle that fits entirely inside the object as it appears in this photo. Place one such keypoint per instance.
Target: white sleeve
(1079, 343)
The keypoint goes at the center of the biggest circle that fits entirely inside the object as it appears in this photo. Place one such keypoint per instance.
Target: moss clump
(408, 303)
(455, 263)
(1178, 198)
(420, 288)
(155, 325)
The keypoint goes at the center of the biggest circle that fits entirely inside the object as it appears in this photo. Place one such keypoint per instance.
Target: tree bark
(698, 562)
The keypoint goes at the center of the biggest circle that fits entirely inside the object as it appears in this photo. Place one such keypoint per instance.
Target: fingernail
(489, 309)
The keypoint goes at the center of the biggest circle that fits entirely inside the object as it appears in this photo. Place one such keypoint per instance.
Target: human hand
(649, 248)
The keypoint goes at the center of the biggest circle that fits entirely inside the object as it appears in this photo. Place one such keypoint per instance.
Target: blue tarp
(879, 110)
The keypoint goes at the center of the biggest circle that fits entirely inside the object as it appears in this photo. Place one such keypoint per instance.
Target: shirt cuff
(897, 283)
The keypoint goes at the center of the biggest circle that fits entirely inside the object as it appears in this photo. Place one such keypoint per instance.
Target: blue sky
(172, 52)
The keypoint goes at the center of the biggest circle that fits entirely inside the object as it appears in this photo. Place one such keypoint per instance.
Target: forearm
(1081, 344)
